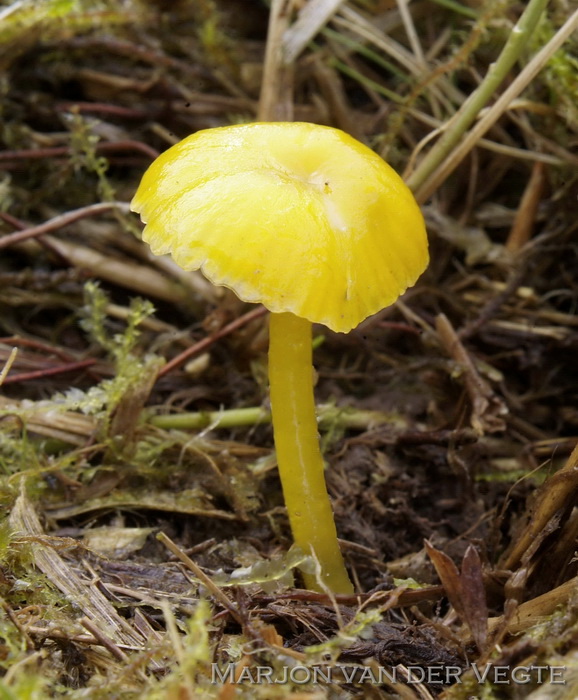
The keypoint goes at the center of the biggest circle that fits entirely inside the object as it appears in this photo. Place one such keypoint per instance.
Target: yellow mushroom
(315, 226)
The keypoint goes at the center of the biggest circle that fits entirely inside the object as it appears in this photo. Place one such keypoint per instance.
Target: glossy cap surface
(296, 216)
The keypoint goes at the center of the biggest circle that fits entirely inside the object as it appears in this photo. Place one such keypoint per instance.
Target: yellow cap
(295, 216)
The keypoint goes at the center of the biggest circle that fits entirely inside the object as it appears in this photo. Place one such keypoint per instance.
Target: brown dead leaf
(464, 590)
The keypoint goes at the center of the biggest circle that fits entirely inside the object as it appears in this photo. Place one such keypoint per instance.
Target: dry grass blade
(276, 98)
(525, 216)
(72, 428)
(556, 494)
(312, 17)
(6, 368)
(488, 410)
(60, 221)
(411, 32)
(139, 278)
(538, 610)
(202, 577)
(81, 594)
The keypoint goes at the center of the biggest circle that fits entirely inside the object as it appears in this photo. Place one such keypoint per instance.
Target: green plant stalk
(368, 82)
(522, 80)
(458, 8)
(231, 418)
(327, 415)
(362, 50)
(298, 453)
(470, 109)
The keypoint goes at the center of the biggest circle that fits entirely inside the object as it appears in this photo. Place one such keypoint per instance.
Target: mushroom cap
(296, 216)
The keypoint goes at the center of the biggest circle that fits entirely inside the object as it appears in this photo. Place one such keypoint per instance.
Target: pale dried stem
(79, 593)
(72, 428)
(8, 365)
(60, 221)
(139, 278)
(276, 99)
(312, 18)
(202, 578)
(488, 410)
(411, 32)
(443, 91)
(536, 611)
(526, 215)
(554, 496)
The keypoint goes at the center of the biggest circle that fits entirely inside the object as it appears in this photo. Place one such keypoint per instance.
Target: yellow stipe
(297, 446)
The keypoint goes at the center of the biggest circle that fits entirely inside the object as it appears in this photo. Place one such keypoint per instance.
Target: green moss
(84, 141)
(20, 17)
(17, 452)
(26, 686)
(560, 76)
(129, 368)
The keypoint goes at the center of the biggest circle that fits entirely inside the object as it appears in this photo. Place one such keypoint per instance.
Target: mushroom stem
(298, 453)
